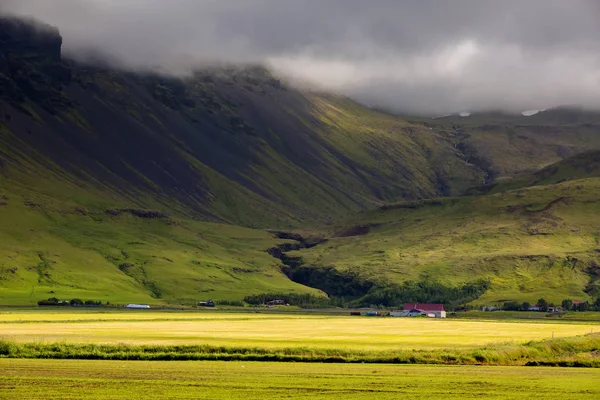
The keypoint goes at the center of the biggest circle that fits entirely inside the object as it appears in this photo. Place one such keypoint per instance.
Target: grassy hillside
(56, 249)
(506, 145)
(583, 165)
(534, 242)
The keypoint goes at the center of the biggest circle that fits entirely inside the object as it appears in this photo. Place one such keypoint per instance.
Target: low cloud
(425, 57)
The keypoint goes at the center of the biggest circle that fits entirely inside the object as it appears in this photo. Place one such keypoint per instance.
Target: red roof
(426, 307)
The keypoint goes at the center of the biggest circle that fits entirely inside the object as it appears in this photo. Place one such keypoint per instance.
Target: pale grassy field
(81, 379)
(274, 330)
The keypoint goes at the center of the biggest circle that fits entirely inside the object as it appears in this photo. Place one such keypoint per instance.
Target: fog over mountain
(424, 56)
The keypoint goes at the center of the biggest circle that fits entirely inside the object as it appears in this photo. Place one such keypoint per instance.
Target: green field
(114, 354)
(77, 379)
(155, 335)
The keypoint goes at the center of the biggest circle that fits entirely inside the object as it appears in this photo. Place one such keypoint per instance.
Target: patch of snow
(464, 114)
(529, 113)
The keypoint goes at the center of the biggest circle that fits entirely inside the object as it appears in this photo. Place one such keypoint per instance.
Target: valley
(120, 186)
(299, 200)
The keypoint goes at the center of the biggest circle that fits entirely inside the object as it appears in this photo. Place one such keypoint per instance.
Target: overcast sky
(422, 56)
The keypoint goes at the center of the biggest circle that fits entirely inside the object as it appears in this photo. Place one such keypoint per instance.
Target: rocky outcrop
(138, 213)
(37, 38)
(31, 64)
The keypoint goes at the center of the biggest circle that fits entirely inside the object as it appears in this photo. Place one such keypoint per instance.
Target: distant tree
(567, 304)
(52, 301)
(597, 304)
(543, 304)
(76, 302)
(511, 306)
(525, 306)
(585, 306)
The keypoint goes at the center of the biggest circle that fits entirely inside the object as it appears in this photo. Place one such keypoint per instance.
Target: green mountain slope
(583, 165)
(52, 248)
(231, 145)
(534, 242)
(507, 145)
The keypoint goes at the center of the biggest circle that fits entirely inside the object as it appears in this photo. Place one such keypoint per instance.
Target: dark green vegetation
(53, 301)
(305, 300)
(136, 187)
(47, 379)
(579, 351)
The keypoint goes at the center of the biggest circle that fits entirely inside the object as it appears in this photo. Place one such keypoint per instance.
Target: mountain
(529, 236)
(506, 145)
(231, 145)
(127, 186)
(580, 166)
(539, 241)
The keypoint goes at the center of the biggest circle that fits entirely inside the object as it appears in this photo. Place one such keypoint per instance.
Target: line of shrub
(423, 292)
(348, 293)
(53, 301)
(579, 351)
(304, 300)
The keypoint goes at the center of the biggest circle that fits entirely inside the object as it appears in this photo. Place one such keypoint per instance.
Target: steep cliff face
(31, 64)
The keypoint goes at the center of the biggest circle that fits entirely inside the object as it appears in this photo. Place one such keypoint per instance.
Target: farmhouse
(436, 309)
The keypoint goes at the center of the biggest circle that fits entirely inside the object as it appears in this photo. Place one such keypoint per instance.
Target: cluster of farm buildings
(412, 310)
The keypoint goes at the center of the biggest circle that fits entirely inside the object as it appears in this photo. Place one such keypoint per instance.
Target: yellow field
(273, 330)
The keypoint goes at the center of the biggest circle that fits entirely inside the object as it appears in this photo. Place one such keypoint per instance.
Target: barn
(436, 309)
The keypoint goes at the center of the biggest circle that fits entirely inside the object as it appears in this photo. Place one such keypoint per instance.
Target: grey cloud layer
(423, 56)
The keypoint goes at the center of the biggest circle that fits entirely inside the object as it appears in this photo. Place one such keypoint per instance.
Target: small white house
(398, 314)
(489, 308)
(137, 306)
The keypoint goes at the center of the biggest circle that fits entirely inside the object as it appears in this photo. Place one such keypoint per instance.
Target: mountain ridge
(242, 127)
(161, 186)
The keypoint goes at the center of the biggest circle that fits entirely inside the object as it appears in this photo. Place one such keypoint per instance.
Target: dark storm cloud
(422, 56)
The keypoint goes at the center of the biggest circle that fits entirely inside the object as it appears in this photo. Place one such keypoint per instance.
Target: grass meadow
(148, 354)
(84, 379)
(146, 327)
